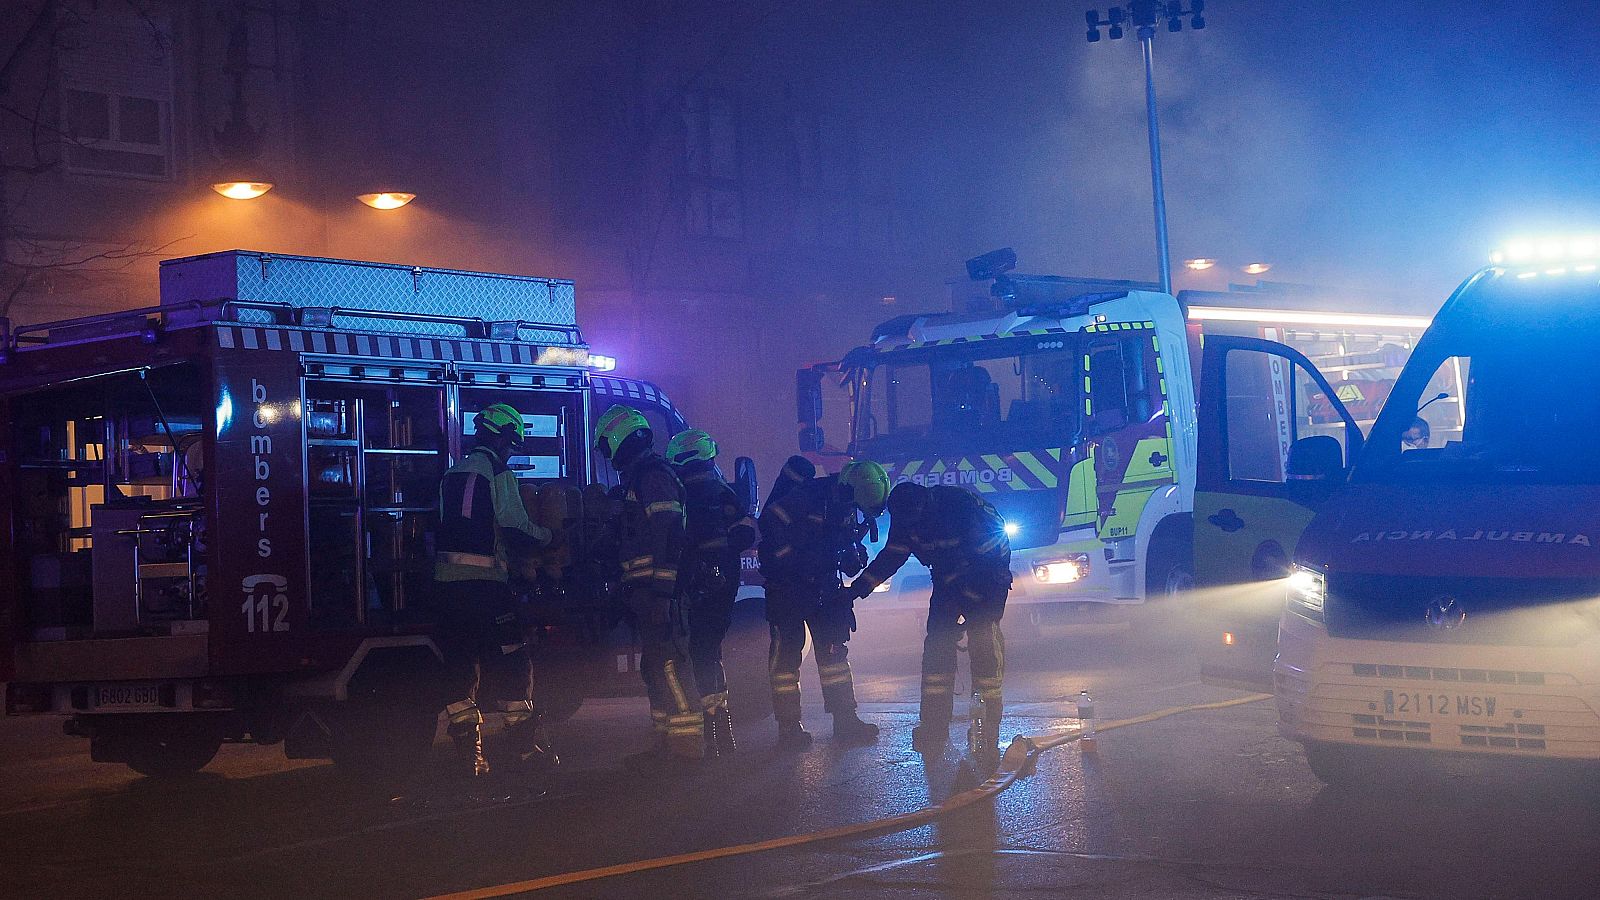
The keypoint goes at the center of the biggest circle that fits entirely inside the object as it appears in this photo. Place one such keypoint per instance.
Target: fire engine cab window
(960, 396)
(1118, 392)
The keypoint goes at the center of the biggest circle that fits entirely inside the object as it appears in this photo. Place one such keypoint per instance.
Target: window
(714, 205)
(970, 397)
(1521, 416)
(1117, 383)
(1271, 404)
(116, 97)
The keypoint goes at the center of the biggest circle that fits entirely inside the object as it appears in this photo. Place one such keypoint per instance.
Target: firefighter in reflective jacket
(963, 540)
(719, 530)
(650, 546)
(482, 521)
(810, 532)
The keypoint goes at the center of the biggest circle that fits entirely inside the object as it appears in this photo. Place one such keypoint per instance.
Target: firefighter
(650, 547)
(810, 532)
(718, 532)
(963, 540)
(482, 522)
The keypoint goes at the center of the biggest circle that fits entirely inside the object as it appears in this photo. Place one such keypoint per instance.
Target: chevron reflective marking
(1046, 477)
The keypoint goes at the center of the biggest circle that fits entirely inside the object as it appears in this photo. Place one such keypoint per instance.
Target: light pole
(1145, 15)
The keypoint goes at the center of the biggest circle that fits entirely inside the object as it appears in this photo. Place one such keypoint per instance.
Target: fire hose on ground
(1019, 759)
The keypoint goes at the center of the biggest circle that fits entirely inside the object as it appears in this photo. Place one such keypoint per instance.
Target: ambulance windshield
(956, 397)
(1528, 413)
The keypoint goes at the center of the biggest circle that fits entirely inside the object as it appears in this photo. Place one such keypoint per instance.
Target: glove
(857, 590)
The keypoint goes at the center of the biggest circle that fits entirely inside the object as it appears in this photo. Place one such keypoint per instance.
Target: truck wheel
(1169, 572)
(170, 754)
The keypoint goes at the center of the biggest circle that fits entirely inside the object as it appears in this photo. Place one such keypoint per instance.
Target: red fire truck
(220, 509)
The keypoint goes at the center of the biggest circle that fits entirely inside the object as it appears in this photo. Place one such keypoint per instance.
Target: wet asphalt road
(1206, 804)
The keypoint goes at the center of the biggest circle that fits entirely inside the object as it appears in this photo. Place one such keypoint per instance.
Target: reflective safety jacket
(650, 532)
(480, 510)
(958, 532)
(808, 530)
(718, 529)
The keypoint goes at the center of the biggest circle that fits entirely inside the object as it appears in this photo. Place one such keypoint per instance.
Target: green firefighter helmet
(688, 446)
(500, 418)
(868, 483)
(615, 426)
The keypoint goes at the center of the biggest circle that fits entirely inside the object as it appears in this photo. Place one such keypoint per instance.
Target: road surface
(1203, 804)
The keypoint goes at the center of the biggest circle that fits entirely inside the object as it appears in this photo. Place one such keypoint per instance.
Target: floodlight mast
(1145, 15)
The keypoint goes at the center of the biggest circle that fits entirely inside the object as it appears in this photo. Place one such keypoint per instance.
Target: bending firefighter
(963, 540)
(650, 545)
(481, 522)
(811, 531)
(719, 530)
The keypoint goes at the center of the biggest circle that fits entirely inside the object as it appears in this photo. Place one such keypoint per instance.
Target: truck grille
(1485, 611)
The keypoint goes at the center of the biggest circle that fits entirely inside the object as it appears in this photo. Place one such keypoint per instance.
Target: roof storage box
(302, 282)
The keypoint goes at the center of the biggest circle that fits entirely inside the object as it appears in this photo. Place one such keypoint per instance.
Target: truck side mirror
(808, 408)
(808, 396)
(745, 485)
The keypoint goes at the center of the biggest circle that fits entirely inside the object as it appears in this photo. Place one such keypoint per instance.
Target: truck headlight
(1308, 592)
(1062, 571)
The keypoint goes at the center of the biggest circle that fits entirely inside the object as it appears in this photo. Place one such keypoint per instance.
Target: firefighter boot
(719, 733)
(793, 737)
(468, 740)
(849, 728)
(525, 741)
(930, 736)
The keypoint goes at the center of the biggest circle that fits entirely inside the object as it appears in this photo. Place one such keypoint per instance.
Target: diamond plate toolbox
(301, 281)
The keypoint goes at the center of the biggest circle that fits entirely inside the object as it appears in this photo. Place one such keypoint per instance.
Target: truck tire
(1169, 570)
(169, 749)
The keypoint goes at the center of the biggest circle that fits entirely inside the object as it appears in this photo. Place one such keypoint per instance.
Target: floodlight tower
(1145, 15)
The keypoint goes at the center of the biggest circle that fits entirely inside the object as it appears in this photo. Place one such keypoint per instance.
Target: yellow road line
(1018, 756)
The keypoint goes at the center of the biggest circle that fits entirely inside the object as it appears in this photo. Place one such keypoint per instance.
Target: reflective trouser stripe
(477, 560)
(463, 711)
(838, 673)
(680, 697)
(714, 702)
(517, 711)
(938, 702)
(785, 683)
(692, 723)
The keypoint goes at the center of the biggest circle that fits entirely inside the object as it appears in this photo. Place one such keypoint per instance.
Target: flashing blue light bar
(1547, 251)
(601, 363)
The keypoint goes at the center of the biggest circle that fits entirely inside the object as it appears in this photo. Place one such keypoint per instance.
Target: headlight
(882, 588)
(1062, 571)
(1308, 591)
